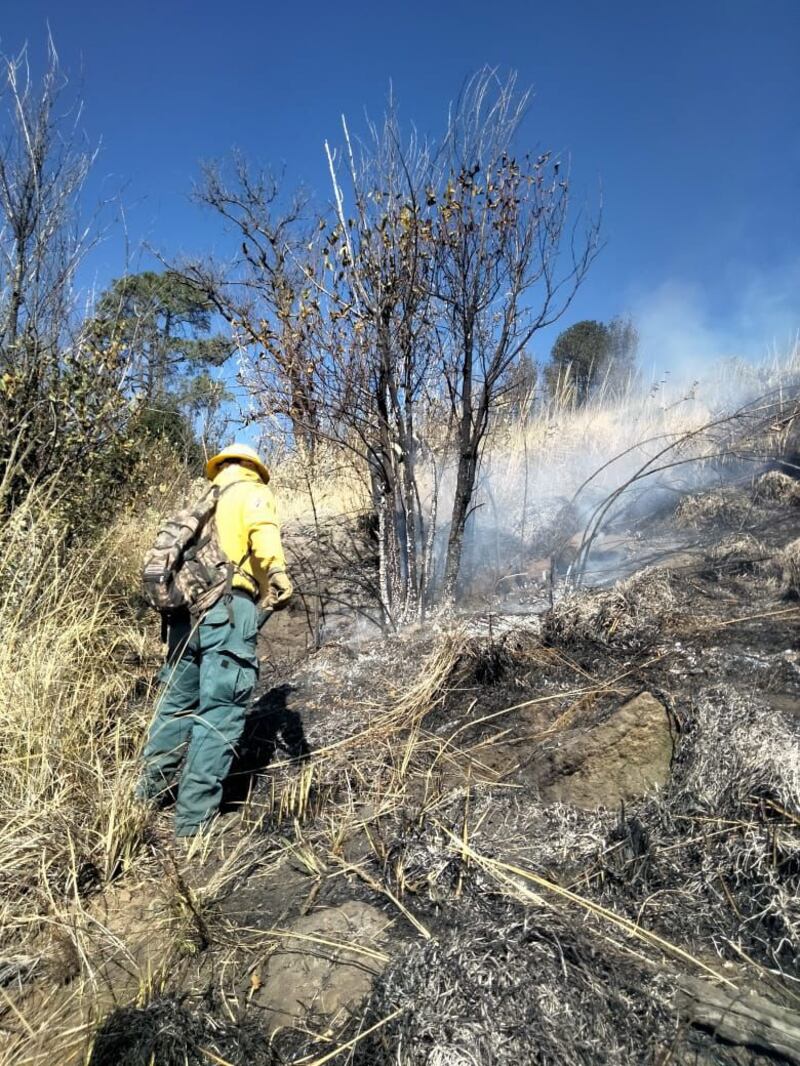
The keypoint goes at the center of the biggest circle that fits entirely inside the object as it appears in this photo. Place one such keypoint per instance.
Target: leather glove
(280, 588)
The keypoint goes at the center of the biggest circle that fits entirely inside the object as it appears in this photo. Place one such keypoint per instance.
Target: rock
(622, 758)
(305, 976)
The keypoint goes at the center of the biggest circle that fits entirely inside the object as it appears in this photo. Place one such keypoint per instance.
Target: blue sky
(686, 114)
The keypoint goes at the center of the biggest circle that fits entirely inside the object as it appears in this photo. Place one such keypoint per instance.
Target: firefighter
(212, 667)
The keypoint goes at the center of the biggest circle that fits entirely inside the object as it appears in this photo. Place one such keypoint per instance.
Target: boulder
(623, 758)
(307, 976)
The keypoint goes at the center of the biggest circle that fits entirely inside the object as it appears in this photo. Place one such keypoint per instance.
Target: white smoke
(681, 335)
(695, 369)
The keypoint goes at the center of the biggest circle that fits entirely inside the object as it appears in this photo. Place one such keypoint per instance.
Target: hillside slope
(516, 838)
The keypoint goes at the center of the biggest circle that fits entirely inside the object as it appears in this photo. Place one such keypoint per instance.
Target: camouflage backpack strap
(213, 570)
(165, 559)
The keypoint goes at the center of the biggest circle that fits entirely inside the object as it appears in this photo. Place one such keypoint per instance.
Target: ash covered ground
(549, 837)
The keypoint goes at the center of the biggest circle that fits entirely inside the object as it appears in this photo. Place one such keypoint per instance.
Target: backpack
(186, 567)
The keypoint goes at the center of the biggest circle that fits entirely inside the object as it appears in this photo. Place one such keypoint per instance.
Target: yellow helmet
(236, 451)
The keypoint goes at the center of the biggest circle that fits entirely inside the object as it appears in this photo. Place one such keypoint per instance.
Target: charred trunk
(465, 487)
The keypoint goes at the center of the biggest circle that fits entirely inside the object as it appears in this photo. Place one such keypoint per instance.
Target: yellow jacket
(247, 525)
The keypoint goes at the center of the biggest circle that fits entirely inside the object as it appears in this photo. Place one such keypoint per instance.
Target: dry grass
(72, 714)
(69, 664)
(712, 508)
(543, 458)
(738, 553)
(787, 564)
(631, 614)
(334, 485)
(777, 486)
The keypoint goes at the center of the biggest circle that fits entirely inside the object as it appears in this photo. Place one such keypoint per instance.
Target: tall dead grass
(551, 453)
(73, 703)
(555, 449)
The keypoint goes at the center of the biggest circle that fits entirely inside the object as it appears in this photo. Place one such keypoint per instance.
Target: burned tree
(393, 325)
(501, 224)
(336, 318)
(379, 338)
(41, 174)
(264, 293)
(449, 267)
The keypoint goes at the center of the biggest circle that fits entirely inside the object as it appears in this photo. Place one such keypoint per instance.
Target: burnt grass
(168, 1032)
(494, 968)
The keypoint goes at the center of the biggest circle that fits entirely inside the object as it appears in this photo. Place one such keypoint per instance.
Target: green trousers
(209, 677)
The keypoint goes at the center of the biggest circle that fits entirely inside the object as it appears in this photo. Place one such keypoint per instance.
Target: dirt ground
(517, 836)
